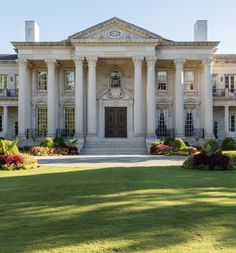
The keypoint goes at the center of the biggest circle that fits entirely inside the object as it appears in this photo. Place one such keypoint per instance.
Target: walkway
(110, 160)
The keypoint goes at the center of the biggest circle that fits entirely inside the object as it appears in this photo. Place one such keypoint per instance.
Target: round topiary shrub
(169, 141)
(228, 144)
(47, 143)
(213, 144)
(59, 142)
(178, 144)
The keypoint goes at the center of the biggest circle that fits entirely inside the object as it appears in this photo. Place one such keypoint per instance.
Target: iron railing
(197, 133)
(35, 133)
(66, 133)
(165, 132)
(224, 92)
(8, 93)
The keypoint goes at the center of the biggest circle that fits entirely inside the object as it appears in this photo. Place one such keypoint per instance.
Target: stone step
(110, 151)
(114, 144)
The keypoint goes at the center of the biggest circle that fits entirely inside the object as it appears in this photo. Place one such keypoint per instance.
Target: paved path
(110, 160)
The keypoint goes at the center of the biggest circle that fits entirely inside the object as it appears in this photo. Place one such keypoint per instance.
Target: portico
(115, 76)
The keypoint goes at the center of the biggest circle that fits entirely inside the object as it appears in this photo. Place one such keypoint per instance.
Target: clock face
(115, 34)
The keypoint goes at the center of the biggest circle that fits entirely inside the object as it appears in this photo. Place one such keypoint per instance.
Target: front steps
(114, 147)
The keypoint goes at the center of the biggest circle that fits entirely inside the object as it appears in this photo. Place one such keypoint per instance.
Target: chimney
(200, 30)
(31, 31)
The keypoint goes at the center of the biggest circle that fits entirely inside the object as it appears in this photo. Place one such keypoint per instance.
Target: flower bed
(45, 151)
(17, 162)
(172, 146)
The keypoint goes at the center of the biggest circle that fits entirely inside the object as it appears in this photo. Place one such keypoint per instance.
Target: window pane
(189, 80)
(3, 81)
(69, 118)
(162, 80)
(42, 121)
(42, 80)
(69, 80)
(189, 125)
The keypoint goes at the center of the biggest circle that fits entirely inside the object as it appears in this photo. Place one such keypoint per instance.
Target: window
(42, 121)
(162, 80)
(115, 79)
(189, 124)
(69, 80)
(3, 82)
(232, 123)
(162, 122)
(189, 80)
(229, 83)
(1, 123)
(214, 83)
(69, 118)
(42, 80)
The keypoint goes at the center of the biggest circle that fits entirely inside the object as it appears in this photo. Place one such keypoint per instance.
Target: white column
(179, 98)
(5, 120)
(138, 95)
(51, 87)
(226, 120)
(208, 99)
(92, 94)
(22, 97)
(79, 97)
(151, 96)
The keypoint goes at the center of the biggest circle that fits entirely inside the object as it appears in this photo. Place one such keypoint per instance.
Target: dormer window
(115, 79)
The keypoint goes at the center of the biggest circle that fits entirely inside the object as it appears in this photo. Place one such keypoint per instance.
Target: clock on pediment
(114, 34)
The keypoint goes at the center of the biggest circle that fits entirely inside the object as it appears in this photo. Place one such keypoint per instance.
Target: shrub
(181, 153)
(228, 144)
(17, 162)
(178, 144)
(160, 149)
(47, 143)
(61, 151)
(202, 161)
(9, 147)
(211, 144)
(169, 141)
(73, 151)
(59, 142)
(41, 151)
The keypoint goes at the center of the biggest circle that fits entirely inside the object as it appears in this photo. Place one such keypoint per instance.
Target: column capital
(51, 63)
(208, 62)
(179, 63)
(22, 62)
(92, 61)
(151, 61)
(79, 61)
(138, 60)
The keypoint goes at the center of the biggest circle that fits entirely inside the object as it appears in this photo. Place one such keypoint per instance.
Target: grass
(87, 210)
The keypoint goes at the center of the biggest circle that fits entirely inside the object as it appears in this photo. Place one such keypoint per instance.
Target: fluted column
(226, 120)
(51, 87)
(179, 98)
(151, 105)
(22, 97)
(79, 97)
(5, 120)
(138, 95)
(92, 103)
(208, 99)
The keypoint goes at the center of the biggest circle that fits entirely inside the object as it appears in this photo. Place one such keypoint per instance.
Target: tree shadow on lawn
(143, 208)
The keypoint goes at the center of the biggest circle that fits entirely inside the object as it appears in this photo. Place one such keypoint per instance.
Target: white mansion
(117, 84)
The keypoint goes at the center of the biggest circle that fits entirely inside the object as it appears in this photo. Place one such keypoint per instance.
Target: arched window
(115, 79)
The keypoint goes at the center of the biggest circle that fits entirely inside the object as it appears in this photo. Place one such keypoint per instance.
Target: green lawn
(118, 210)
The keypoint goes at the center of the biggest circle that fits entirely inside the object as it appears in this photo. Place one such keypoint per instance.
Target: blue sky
(173, 19)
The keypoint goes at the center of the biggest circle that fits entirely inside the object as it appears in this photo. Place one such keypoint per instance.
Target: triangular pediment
(114, 29)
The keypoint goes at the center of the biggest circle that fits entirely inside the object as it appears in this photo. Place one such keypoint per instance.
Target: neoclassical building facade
(119, 84)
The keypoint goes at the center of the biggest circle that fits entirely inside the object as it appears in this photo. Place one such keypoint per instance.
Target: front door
(115, 122)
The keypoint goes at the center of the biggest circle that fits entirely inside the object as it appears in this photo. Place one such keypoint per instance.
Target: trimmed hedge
(8, 147)
(47, 143)
(228, 144)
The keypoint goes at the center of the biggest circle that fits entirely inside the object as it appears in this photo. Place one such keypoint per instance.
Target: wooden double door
(115, 122)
